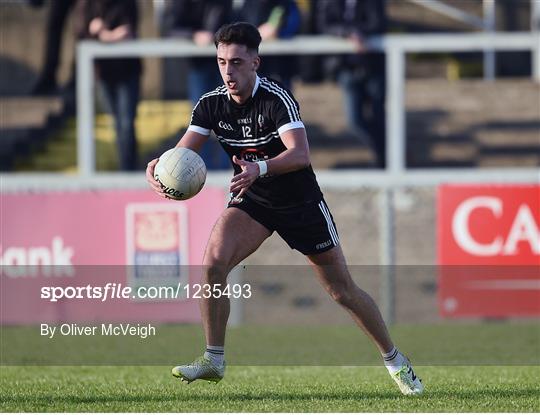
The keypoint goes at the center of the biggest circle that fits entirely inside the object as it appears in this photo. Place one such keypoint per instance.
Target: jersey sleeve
(286, 111)
(200, 119)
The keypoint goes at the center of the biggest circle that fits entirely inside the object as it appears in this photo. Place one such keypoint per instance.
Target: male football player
(258, 124)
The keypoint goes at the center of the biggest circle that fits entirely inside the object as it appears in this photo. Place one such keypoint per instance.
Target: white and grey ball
(181, 173)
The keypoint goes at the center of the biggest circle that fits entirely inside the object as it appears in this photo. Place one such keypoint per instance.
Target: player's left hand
(241, 182)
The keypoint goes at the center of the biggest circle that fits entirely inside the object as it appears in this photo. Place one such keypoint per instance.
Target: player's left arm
(295, 157)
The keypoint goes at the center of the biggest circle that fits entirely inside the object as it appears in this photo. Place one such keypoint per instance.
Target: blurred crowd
(361, 75)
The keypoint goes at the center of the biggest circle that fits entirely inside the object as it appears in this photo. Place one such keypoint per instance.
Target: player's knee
(340, 296)
(340, 293)
(215, 256)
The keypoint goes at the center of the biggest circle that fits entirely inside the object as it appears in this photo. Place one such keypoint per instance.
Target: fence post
(387, 253)
(236, 311)
(535, 29)
(395, 118)
(489, 27)
(86, 157)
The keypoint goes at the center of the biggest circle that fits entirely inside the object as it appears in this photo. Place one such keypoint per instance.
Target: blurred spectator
(310, 67)
(46, 83)
(362, 76)
(198, 20)
(275, 19)
(113, 21)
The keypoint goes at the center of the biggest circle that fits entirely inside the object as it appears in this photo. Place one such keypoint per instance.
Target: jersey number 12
(246, 131)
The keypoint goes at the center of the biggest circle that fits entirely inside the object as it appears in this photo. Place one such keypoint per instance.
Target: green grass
(271, 388)
(472, 367)
(474, 344)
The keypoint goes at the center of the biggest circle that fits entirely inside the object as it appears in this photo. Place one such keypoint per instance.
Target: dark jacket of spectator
(284, 14)
(361, 75)
(185, 17)
(348, 18)
(114, 13)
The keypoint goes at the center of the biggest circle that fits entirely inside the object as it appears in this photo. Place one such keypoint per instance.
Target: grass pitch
(487, 368)
(267, 388)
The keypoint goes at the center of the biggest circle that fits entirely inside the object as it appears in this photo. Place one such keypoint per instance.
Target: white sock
(216, 354)
(393, 360)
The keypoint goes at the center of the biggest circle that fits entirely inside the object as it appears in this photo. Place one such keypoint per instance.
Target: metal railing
(486, 23)
(395, 46)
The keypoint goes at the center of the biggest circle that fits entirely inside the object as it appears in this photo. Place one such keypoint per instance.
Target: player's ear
(256, 62)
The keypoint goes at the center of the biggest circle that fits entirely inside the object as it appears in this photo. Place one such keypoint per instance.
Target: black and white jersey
(252, 132)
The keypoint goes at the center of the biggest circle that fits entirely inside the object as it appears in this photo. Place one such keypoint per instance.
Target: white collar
(255, 87)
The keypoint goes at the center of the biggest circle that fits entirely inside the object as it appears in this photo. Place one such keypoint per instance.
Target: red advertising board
(127, 238)
(489, 250)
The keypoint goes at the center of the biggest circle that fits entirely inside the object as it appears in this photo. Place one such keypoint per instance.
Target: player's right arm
(192, 140)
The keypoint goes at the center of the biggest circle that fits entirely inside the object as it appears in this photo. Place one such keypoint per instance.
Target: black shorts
(309, 228)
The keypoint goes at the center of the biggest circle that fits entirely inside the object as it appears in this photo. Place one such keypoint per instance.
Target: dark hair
(240, 33)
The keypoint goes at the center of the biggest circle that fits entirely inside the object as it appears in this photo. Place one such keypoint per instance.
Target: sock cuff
(391, 355)
(215, 349)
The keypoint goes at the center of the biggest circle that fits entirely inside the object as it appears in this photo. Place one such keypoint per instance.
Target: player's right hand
(154, 184)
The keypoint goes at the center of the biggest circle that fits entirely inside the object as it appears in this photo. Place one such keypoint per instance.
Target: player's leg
(312, 231)
(331, 269)
(234, 237)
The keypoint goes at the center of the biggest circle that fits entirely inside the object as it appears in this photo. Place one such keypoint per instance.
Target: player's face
(238, 67)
